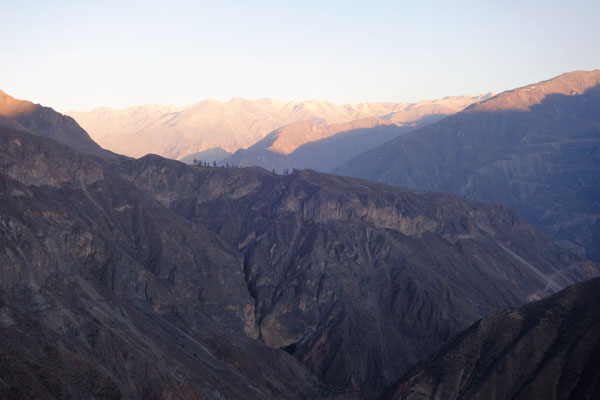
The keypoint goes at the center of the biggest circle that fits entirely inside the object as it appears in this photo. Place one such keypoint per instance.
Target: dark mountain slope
(549, 349)
(29, 117)
(105, 293)
(535, 148)
(359, 280)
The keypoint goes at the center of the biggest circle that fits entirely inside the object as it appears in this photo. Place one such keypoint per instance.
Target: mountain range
(535, 148)
(178, 132)
(240, 282)
(150, 278)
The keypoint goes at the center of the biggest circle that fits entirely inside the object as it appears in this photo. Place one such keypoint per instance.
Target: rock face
(236, 124)
(549, 349)
(44, 121)
(105, 293)
(535, 148)
(355, 279)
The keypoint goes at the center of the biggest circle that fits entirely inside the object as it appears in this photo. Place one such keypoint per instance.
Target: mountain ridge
(543, 161)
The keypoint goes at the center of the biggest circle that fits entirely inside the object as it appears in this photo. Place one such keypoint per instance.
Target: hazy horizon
(75, 56)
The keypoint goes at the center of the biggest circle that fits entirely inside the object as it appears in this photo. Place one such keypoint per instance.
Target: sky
(78, 55)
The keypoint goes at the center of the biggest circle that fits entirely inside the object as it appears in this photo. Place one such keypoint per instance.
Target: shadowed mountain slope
(26, 116)
(535, 148)
(549, 349)
(356, 279)
(105, 293)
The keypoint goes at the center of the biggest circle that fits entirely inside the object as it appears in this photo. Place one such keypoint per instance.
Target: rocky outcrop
(549, 349)
(355, 279)
(535, 148)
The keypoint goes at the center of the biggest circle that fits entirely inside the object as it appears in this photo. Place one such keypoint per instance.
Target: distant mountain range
(535, 148)
(238, 123)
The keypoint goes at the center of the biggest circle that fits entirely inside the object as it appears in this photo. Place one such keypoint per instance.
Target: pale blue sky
(84, 54)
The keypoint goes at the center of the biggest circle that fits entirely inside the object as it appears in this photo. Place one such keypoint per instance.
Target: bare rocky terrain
(359, 280)
(105, 293)
(548, 349)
